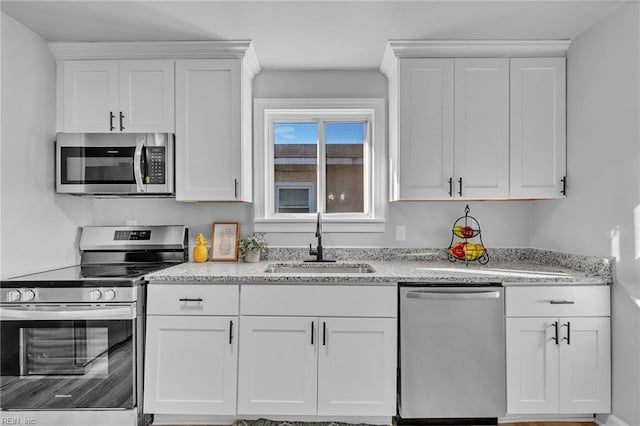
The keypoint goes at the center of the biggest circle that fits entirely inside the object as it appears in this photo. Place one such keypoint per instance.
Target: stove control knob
(28, 295)
(95, 294)
(14, 296)
(109, 294)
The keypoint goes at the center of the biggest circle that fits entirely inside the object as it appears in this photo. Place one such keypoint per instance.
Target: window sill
(328, 225)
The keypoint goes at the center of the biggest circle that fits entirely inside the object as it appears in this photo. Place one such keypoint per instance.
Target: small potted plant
(251, 246)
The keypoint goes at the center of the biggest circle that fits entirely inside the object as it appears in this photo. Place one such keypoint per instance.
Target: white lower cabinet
(558, 364)
(312, 364)
(356, 366)
(277, 365)
(191, 353)
(191, 365)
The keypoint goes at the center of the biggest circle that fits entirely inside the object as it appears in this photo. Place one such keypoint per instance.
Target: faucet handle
(312, 252)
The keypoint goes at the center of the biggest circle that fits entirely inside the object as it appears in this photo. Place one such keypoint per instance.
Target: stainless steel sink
(324, 268)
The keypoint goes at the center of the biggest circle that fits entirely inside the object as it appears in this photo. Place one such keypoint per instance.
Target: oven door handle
(8, 313)
(137, 162)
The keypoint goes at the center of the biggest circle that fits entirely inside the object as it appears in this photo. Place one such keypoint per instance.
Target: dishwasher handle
(453, 295)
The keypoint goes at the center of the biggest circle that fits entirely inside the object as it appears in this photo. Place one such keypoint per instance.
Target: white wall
(38, 228)
(505, 224)
(604, 181)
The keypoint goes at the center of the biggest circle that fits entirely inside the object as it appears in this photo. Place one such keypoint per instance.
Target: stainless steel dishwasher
(452, 353)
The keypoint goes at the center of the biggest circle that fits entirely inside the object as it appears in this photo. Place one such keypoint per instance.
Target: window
(319, 156)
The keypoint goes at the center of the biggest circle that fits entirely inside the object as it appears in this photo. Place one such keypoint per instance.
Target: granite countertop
(507, 266)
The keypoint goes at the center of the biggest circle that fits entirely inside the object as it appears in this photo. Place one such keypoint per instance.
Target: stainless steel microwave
(121, 164)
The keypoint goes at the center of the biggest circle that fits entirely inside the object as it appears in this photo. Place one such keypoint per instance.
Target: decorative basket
(465, 230)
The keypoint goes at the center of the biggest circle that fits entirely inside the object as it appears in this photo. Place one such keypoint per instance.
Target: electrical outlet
(132, 222)
(401, 232)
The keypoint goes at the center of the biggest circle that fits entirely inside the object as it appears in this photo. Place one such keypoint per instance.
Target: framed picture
(224, 241)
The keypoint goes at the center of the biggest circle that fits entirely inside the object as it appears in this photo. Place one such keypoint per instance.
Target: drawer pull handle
(187, 299)
(230, 332)
(562, 302)
(555, 332)
(312, 332)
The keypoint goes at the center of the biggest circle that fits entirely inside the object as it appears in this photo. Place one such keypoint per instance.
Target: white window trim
(375, 188)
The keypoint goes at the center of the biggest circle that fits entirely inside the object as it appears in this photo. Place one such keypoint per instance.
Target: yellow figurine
(200, 252)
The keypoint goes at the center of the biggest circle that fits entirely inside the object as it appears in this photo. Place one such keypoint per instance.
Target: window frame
(268, 111)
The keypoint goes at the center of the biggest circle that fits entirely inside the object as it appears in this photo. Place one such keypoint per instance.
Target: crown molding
(470, 49)
(237, 49)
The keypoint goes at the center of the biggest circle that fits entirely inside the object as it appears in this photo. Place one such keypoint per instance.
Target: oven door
(67, 356)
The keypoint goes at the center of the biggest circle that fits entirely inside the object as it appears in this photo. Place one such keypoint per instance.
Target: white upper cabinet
(117, 96)
(213, 153)
(467, 122)
(147, 96)
(482, 128)
(538, 127)
(424, 141)
(90, 96)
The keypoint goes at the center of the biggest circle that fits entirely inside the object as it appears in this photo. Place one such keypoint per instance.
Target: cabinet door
(482, 128)
(208, 139)
(191, 365)
(585, 365)
(90, 96)
(146, 96)
(278, 365)
(538, 127)
(425, 131)
(532, 366)
(357, 366)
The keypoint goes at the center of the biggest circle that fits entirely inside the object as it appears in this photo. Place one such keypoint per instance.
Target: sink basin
(324, 268)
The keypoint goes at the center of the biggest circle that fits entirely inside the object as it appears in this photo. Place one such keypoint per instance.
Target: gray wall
(601, 215)
(38, 229)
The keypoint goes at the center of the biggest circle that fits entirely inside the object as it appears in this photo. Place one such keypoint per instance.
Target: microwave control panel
(156, 165)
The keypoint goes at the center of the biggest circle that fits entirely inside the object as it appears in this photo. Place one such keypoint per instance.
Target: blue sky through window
(307, 133)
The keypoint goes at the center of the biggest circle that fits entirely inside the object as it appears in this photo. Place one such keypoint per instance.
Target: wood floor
(550, 424)
(527, 424)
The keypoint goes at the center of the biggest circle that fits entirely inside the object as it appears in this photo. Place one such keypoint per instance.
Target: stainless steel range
(72, 339)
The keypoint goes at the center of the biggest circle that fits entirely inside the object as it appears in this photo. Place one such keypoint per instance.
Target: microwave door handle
(137, 165)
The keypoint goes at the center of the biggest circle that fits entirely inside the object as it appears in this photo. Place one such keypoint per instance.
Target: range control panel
(141, 235)
(156, 168)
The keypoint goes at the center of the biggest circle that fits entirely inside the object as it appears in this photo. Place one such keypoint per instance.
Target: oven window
(67, 364)
(90, 165)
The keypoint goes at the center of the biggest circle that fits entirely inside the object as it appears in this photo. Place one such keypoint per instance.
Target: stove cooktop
(91, 275)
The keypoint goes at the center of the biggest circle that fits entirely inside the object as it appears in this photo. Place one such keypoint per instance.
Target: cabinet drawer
(563, 301)
(192, 299)
(319, 300)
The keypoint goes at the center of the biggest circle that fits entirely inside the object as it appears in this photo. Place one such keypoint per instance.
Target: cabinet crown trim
(234, 49)
(470, 49)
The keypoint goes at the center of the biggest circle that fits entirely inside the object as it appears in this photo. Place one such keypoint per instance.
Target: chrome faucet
(317, 252)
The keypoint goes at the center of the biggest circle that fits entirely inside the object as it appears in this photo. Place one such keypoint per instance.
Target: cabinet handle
(563, 191)
(555, 332)
(235, 188)
(562, 302)
(230, 332)
(121, 121)
(568, 338)
(450, 187)
(324, 333)
(460, 190)
(111, 117)
(312, 329)
(187, 299)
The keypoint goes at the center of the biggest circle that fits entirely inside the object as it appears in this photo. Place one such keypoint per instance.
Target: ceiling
(305, 34)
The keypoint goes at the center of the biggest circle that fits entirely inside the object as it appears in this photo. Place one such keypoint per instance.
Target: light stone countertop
(387, 272)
